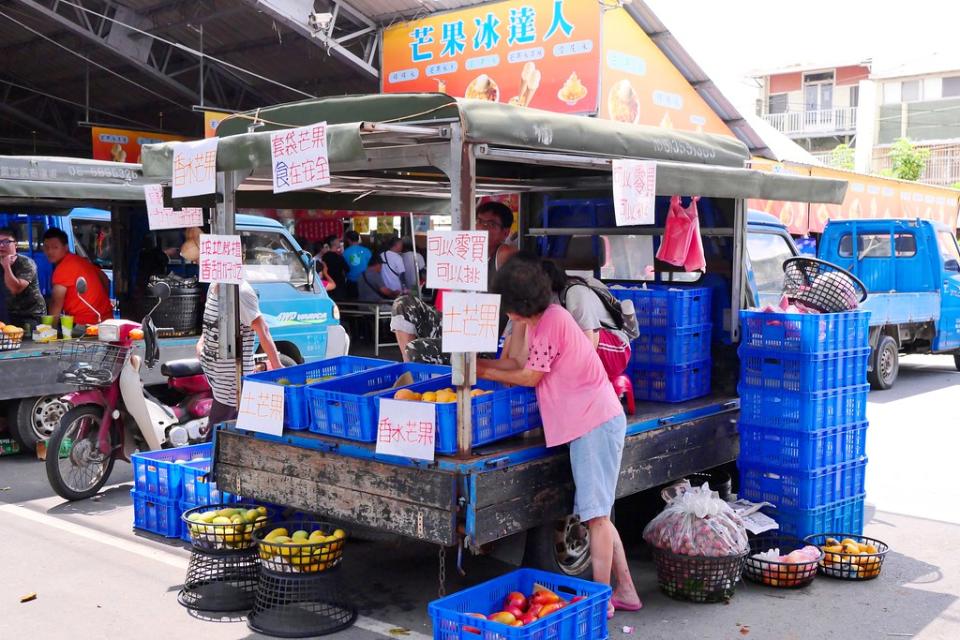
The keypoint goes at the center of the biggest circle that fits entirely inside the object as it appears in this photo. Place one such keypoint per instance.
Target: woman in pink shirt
(578, 406)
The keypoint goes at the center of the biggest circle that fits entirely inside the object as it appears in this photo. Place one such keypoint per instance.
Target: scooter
(112, 415)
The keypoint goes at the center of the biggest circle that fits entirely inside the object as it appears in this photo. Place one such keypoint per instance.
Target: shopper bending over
(578, 406)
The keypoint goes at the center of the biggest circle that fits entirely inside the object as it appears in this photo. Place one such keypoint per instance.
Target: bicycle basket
(821, 286)
(90, 363)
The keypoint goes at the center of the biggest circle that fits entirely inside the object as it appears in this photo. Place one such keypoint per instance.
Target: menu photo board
(532, 53)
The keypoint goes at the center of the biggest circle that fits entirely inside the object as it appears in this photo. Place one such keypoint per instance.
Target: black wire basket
(698, 578)
(840, 560)
(301, 605)
(821, 286)
(90, 362)
(300, 546)
(221, 582)
(225, 527)
(774, 573)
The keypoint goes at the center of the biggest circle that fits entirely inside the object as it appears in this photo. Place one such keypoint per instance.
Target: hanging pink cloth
(681, 244)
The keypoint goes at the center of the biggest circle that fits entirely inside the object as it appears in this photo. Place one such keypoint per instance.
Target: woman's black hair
(559, 280)
(523, 286)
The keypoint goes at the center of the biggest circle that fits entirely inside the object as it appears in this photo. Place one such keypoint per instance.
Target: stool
(624, 387)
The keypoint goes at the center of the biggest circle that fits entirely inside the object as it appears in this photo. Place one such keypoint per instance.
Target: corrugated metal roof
(384, 12)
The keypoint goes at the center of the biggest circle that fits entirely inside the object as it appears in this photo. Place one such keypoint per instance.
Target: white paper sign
(457, 260)
(471, 322)
(221, 259)
(407, 429)
(195, 168)
(634, 191)
(161, 217)
(299, 158)
(261, 407)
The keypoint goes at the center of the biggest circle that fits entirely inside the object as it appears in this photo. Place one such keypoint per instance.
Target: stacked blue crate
(670, 360)
(803, 401)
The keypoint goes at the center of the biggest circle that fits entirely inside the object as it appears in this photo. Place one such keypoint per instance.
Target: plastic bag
(681, 244)
(696, 522)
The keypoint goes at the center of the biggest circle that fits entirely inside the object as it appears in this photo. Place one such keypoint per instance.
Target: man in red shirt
(68, 267)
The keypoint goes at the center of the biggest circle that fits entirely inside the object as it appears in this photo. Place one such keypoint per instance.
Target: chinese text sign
(221, 259)
(634, 191)
(261, 408)
(161, 217)
(530, 53)
(195, 168)
(471, 322)
(299, 158)
(407, 429)
(457, 260)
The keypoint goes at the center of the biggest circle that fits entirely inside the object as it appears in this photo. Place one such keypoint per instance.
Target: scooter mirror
(81, 285)
(160, 290)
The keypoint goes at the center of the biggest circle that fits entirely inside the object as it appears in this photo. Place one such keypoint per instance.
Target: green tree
(955, 185)
(842, 157)
(908, 161)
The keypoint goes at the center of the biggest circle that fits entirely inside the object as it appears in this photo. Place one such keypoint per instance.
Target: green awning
(59, 184)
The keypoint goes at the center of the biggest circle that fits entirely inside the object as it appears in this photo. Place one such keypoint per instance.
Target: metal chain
(442, 589)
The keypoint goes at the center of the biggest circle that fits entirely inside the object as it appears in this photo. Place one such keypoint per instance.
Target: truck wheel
(956, 360)
(561, 547)
(886, 364)
(32, 420)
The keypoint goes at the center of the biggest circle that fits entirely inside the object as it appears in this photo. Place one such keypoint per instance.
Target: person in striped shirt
(222, 374)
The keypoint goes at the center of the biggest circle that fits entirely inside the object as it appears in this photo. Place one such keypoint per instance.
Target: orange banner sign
(537, 53)
(212, 120)
(123, 145)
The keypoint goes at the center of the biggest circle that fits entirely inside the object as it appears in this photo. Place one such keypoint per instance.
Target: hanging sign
(261, 408)
(457, 260)
(634, 191)
(299, 158)
(161, 217)
(407, 428)
(471, 322)
(221, 259)
(195, 168)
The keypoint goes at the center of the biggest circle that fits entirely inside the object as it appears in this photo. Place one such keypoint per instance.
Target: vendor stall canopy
(55, 185)
(394, 152)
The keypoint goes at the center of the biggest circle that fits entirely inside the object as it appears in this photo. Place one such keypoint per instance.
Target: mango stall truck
(45, 191)
(430, 153)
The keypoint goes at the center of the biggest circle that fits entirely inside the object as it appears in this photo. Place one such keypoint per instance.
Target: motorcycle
(112, 415)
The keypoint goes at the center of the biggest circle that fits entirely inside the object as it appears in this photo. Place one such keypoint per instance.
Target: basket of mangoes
(849, 557)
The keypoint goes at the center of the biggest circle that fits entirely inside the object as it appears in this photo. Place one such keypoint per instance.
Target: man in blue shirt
(357, 257)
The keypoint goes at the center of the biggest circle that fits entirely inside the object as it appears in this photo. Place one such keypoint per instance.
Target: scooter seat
(181, 368)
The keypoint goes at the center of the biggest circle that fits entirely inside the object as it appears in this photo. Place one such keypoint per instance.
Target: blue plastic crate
(671, 345)
(803, 411)
(508, 411)
(768, 369)
(667, 305)
(296, 413)
(670, 383)
(788, 449)
(844, 515)
(799, 488)
(347, 407)
(583, 620)
(199, 488)
(160, 473)
(183, 506)
(805, 332)
(156, 514)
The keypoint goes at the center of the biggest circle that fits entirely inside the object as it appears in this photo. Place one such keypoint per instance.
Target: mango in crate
(406, 394)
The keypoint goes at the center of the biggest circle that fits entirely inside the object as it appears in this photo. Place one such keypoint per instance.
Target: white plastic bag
(696, 522)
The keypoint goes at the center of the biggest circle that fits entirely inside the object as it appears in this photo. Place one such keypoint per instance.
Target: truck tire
(561, 547)
(886, 364)
(956, 360)
(33, 420)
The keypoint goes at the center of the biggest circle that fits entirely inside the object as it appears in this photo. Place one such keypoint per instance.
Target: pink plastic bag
(681, 244)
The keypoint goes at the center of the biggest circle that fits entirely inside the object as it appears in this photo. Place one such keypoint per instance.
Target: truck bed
(502, 489)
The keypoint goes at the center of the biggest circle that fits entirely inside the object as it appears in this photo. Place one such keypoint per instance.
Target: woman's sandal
(623, 606)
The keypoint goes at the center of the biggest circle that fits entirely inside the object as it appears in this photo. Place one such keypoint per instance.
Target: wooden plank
(350, 505)
(510, 501)
(430, 488)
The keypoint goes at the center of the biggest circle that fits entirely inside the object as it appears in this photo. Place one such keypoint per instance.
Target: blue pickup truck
(911, 268)
(303, 320)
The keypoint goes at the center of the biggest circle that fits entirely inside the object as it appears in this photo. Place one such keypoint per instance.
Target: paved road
(95, 578)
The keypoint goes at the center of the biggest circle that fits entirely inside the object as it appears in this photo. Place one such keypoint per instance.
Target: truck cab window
(949, 250)
(93, 241)
(767, 252)
(269, 257)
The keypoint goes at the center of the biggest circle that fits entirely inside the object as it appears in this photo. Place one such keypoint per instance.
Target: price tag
(471, 322)
(261, 408)
(457, 260)
(195, 168)
(407, 429)
(161, 217)
(221, 259)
